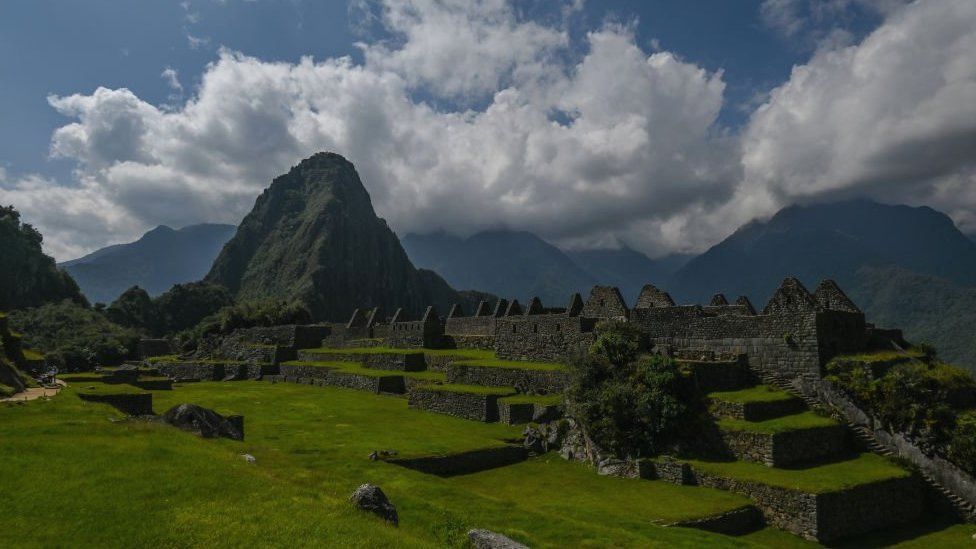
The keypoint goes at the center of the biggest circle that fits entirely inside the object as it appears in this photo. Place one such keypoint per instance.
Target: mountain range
(313, 236)
(159, 259)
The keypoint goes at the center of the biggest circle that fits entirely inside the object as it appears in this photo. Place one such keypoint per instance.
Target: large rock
(370, 497)
(486, 539)
(204, 422)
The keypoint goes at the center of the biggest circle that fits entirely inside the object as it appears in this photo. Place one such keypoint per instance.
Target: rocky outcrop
(204, 422)
(369, 497)
(486, 539)
(313, 236)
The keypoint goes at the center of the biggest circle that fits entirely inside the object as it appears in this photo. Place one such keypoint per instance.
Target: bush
(916, 398)
(962, 445)
(618, 341)
(244, 315)
(73, 337)
(185, 305)
(631, 407)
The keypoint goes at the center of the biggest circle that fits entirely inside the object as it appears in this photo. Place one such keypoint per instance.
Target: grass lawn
(795, 422)
(365, 351)
(73, 477)
(31, 354)
(828, 477)
(479, 354)
(759, 393)
(512, 364)
(542, 400)
(358, 369)
(882, 356)
(470, 389)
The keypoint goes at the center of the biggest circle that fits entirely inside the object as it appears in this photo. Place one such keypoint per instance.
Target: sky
(661, 125)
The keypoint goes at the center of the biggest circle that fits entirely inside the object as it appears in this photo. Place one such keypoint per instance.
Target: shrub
(630, 407)
(962, 445)
(73, 337)
(618, 341)
(185, 305)
(244, 315)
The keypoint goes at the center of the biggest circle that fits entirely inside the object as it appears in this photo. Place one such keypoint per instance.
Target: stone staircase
(957, 506)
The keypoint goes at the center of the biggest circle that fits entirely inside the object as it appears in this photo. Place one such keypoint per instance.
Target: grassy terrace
(512, 364)
(828, 477)
(542, 400)
(144, 484)
(795, 422)
(759, 393)
(469, 389)
(882, 356)
(357, 369)
(366, 351)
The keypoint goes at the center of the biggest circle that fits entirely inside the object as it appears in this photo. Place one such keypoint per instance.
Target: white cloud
(172, 79)
(613, 144)
(893, 117)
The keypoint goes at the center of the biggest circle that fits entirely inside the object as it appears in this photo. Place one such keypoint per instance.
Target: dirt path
(34, 393)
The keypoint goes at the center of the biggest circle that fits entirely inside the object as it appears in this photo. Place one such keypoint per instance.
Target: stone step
(824, 503)
(472, 402)
(351, 375)
(521, 409)
(785, 441)
(757, 403)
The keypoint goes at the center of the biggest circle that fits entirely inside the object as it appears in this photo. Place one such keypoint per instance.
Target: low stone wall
(731, 523)
(473, 406)
(214, 371)
(370, 384)
(465, 462)
(869, 507)
(299, 371)
(757, 411)
(154, 347)
(788, 448)
(526, 381)
(823, 517)
(514, 414)
(712, 376)
(134, 404)
(402, 362)
(181, 371)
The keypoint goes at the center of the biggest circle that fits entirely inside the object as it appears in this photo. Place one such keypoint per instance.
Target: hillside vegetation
(28, 277)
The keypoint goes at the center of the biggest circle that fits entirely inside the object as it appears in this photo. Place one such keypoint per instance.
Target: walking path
(34, 393)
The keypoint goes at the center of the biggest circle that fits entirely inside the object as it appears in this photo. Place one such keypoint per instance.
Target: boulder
(370, 497)
(486, 539)
(204, 422)
(542, 438)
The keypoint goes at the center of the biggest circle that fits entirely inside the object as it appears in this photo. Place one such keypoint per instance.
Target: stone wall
(525, 381)
(403, 362)
(470, 326)
(757, 411)
(477, 407)
(455, 341)
(547, 338)
(605, 302)
(154, 347)
(787, 448)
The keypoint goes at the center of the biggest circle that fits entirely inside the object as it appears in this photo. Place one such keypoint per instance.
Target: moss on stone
(469, 389)
(541, 400)
(759, 393)
(512, 364)
(829, 477)
(795, 422)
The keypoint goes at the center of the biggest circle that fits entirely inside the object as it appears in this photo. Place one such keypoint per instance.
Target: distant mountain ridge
(828, 241)
(314, 237)
(159, 259)
(519, 264)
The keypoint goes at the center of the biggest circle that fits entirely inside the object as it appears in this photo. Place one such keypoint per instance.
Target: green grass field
(71, 477)
(542, 400)
(794, 422)
(759, 393)
(358, 369)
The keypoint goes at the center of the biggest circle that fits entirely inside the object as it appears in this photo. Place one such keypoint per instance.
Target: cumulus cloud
(893, 117)
(596, 143)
